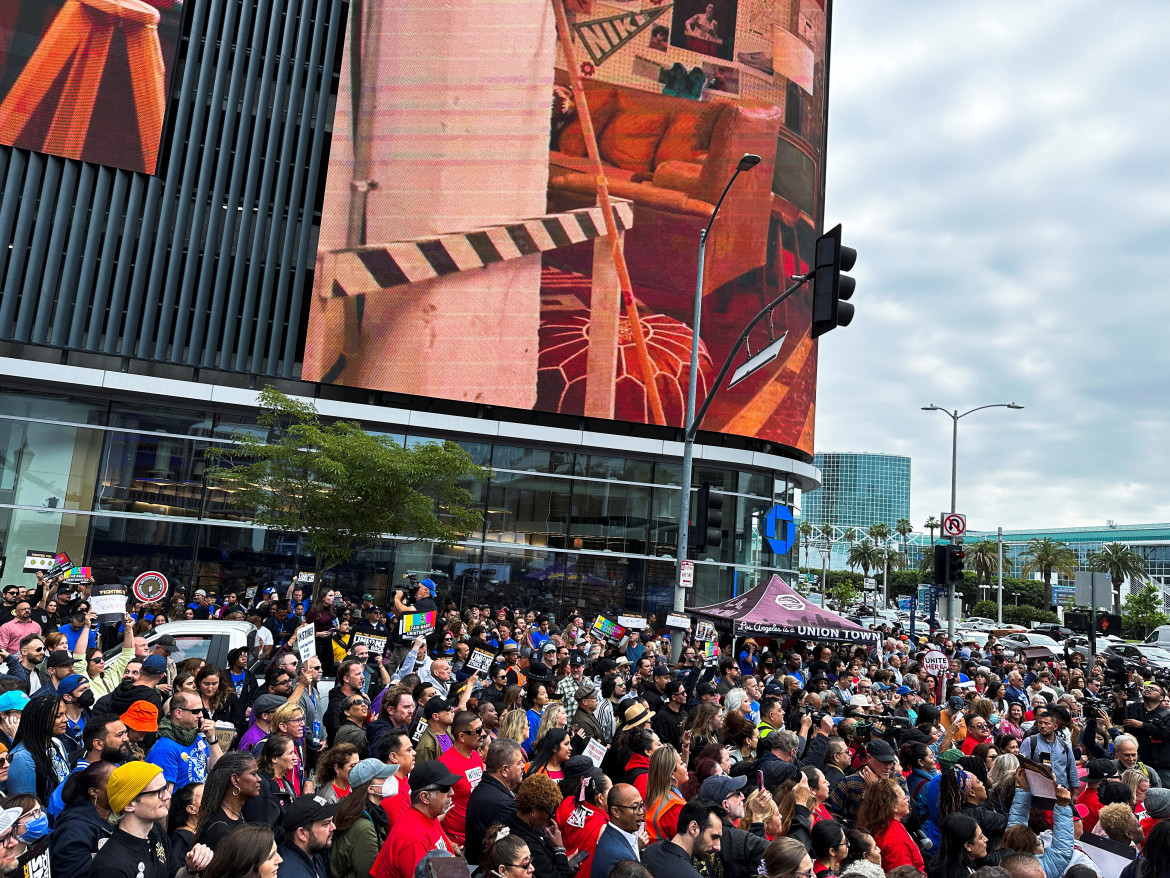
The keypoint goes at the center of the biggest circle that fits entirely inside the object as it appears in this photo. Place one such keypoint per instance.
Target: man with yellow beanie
(139, 801)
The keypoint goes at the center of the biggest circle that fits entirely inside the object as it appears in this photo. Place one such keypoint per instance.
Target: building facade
(140, 311)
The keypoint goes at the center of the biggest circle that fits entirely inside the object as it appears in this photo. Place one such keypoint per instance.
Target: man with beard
(105, 740)
(308, 834)
(1149, 722)
(740, 850)
(700, 831)
(186, 748)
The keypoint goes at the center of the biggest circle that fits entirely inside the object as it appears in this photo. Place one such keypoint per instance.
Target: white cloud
(1002, 171)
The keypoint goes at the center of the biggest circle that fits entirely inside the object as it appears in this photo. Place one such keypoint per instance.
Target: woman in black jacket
(962, 845)
(83, 822)
(537, 800)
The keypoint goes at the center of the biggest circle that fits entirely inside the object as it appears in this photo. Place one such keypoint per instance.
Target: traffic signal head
(830, 286)
(940, 563)
(1109, 623)
(955, 569)
(708, 528)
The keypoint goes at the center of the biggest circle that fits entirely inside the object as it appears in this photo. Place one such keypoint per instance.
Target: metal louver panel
(207, 263)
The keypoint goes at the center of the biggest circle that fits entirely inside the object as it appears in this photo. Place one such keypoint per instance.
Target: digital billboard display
(87, 79)
(463, 254)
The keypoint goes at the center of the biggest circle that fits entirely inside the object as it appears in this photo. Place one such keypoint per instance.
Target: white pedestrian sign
(953, 524)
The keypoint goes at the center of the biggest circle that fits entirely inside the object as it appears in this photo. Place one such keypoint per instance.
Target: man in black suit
(625, 836)
(494, 798)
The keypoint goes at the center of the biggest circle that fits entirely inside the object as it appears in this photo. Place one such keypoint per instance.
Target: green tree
(931, 524)
(843, 593)
(1121, 563)
(341, 487)
(903, 528)
(1047, 556)
(805, 530)
(1143, 612)
(865, 555)
(850, 536)
(879, 532)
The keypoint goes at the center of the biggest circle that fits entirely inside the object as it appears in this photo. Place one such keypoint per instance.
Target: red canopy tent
(775, 610)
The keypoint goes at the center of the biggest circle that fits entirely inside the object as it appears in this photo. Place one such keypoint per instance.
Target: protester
(360, 824)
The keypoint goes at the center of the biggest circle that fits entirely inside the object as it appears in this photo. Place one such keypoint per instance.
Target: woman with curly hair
(537, 800)
(667, 774)
(741, 736)
(231, 785)
(331, 780)
(881, 812)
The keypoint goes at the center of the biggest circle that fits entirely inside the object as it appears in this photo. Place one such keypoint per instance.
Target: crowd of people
(511, 744)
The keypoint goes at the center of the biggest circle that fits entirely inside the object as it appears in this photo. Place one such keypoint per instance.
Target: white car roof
(200, 626)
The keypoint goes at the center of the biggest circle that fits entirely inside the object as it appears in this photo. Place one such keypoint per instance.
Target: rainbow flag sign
(417, 624)
(607, 629)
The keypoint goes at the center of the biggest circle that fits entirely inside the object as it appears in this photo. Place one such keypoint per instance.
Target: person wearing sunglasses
(104, 676)
(464, 760)
(140, 799)
(505, 854)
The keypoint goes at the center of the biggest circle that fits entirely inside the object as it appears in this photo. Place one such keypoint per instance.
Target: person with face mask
(78, 701)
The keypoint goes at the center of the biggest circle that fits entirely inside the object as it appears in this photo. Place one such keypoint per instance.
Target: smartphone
(760, 780)
(577, 859)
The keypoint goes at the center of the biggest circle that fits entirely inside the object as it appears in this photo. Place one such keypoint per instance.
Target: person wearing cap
(845, 798)
(652, 691)
(78, 700)
(436, 737)
(571, 682)
(1049, 748)
(140, 799)
(308, 834)
(1097, 771)
(417, 599)
(142, 688)
(141, 721)
(263, 709)
(672, 713)
(417, 832)
(60, 664)
(740, 850)
(585, 719)
(19, 626)
(361, 824)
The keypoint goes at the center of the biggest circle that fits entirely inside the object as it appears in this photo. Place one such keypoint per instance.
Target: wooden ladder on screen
(605, 312)
(77, 44)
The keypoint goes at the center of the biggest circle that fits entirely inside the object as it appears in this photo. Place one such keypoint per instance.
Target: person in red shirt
(418, 832)
(881, 812)
(397, 749)
(978, 732)
(464, 760)
(580, 816)
(1097, 772)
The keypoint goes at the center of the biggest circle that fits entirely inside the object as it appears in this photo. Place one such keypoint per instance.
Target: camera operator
(1148, 721)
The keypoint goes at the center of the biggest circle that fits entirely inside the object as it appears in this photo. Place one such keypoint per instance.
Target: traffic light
(955, 557)
(940, 563)
(1109, 623)
(830, 286)
(707, 531)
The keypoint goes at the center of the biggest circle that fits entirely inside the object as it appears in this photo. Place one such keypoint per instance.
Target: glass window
(617, 468)
(154, 475)
(51, 408)
(664, 521)
(534, 460)
(533, 510)
(155, 419)
(759, 484)
(720, 479)
(610, 515)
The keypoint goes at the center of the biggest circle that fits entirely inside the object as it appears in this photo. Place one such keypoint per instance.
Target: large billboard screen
(87, 79)
(463, 254)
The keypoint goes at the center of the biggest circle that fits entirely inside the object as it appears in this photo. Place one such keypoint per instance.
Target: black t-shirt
(215, 831)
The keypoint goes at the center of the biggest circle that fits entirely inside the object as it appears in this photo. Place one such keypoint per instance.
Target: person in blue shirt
(539, 637)
(76, 624)
(635, 648)
(186, 746)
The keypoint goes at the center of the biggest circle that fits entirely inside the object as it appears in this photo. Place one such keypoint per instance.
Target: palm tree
(983, 557)
(805, 529)
(850, 536)
(931, 524)
(903, 528)
(880, 532)
(864, 555)
(1047, 556)
(1121, 563)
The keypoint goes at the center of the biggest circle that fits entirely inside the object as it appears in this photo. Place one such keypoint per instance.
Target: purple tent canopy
(775, 610)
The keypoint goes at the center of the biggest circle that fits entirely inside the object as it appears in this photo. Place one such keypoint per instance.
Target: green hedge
(1021, 615)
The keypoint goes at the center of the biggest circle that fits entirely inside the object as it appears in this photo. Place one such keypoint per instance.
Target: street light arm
(746, 163)
(693, 428)
(994, 405)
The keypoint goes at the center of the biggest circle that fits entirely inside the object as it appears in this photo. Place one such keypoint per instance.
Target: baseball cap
(155, 664)
(267, 703)
(661, 671)
(706, 689)
(142, 716)
(881, 751)
(13, 700)
(903, 690)
(435, 705)
(430, 585)
(367, 597)
(370, 769)
(200, 591)
(59, 658)
(549, 646)
(66, 686)
(432, 773)
(308, 809)
(168, 643)
(577, 660)
(719, 786)
(8, 818)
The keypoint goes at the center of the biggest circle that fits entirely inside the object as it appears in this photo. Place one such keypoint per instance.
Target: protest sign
(480, 659)
(375, 641)
(417, 624)
(710, 654)
(34, 561)
(74, 575)
(249, 595)
(108, 603)
(705, 632)
(635, 622)
(678, 620)
(595, 750)
(607, 629)
(34, 862)
(150, 587)
(307, 576)
(304, 640)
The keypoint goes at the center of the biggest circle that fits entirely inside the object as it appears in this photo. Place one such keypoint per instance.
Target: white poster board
(304, 641)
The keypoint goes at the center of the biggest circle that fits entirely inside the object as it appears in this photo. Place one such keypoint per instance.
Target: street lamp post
(746, 163)
(1016, 595)
(955, 418)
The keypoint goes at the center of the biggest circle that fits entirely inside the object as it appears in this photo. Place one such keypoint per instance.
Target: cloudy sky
(1003, 170)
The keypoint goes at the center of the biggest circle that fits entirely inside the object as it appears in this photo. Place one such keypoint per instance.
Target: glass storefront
(122, 488)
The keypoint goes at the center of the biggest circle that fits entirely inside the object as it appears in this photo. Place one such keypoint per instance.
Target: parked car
(1140, 653)
(1056, 632)
(979, 622)
(1160, 636)
(1029, 639)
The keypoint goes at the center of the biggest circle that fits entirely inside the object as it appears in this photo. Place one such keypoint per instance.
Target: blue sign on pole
(779, 530)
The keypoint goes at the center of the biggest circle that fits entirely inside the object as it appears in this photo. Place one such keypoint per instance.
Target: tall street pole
(999, 600)
(748, 162)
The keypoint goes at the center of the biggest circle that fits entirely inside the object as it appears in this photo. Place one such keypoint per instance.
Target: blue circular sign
(779, 530)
